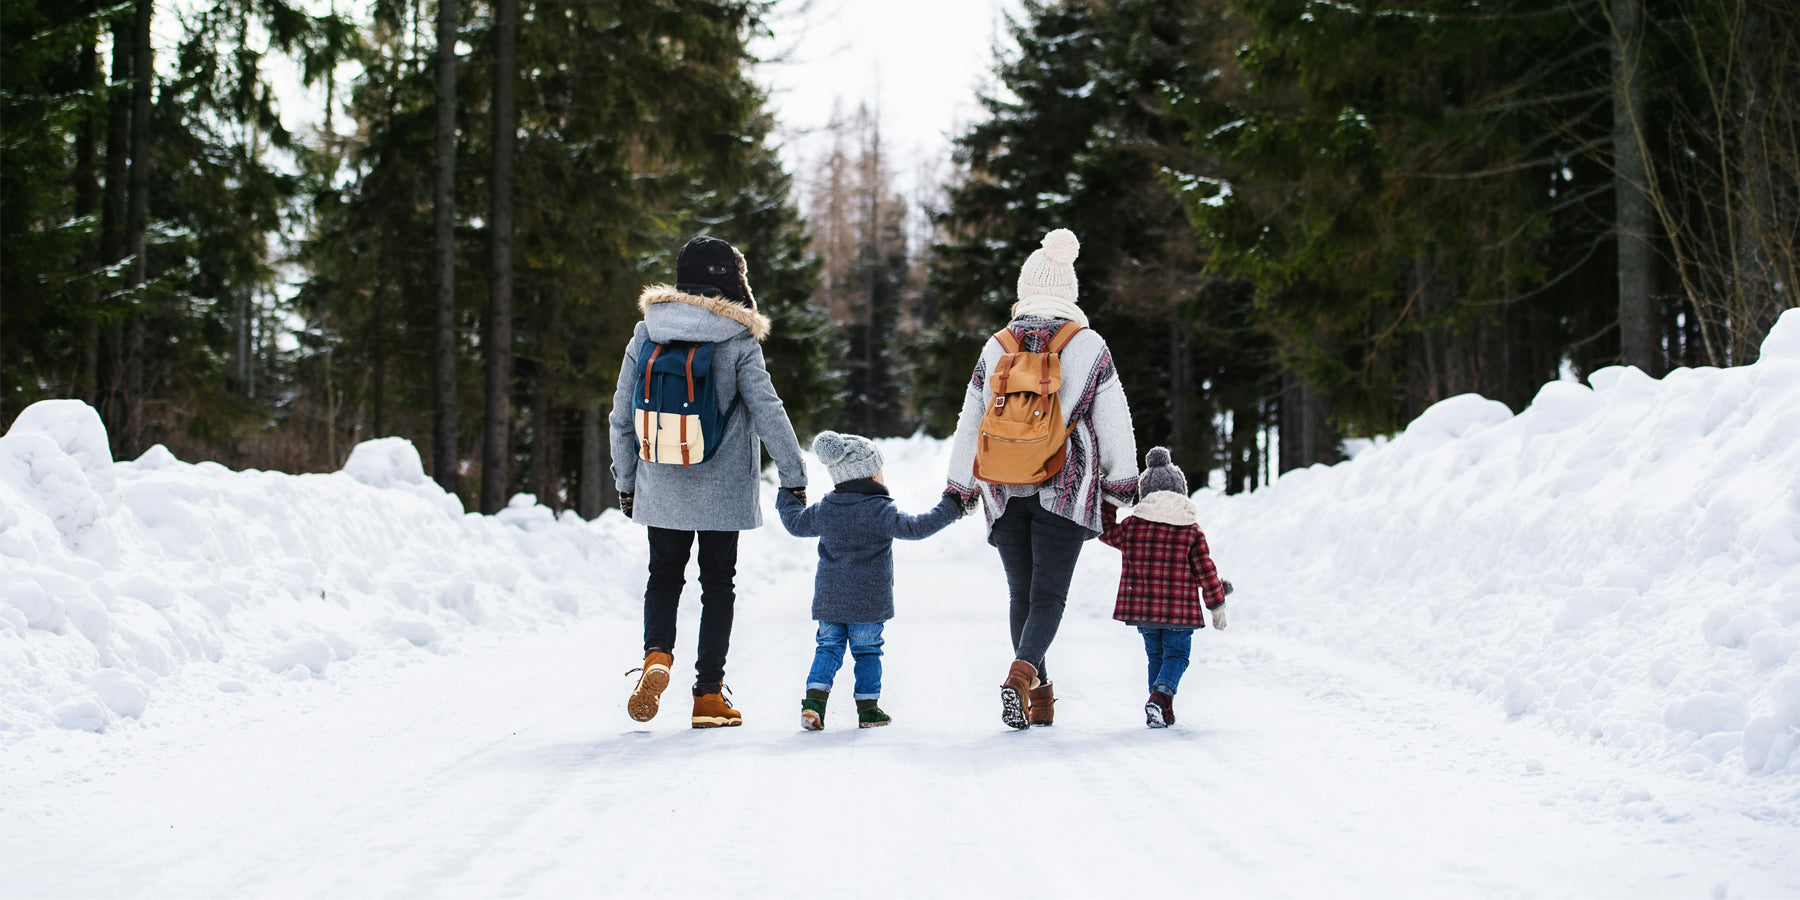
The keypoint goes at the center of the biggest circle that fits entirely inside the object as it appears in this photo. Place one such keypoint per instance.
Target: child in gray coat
(853, 593)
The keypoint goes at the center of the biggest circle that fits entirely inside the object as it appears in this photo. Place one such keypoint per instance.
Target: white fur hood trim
(754, 321)
(1167, 507)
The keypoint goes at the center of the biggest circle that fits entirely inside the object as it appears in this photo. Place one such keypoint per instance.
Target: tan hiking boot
(1015, 694)
(1043, 704)
(647, 694)
(711, 709)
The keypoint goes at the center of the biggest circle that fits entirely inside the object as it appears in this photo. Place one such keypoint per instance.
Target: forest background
(1302, 220)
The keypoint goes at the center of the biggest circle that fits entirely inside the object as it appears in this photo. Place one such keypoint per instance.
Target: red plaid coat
(1167, 568)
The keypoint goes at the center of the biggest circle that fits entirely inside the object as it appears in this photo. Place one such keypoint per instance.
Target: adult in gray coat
(715, 499)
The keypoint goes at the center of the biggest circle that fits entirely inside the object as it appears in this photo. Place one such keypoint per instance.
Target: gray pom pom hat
(847, 456)
(1161, 474)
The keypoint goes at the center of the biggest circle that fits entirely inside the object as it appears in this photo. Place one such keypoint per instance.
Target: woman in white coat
(1039, 528)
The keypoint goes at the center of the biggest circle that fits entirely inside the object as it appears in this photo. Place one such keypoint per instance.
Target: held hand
(965, 504)
(1228, 588)
(798, 492)
(625, 503)
(1218, 617)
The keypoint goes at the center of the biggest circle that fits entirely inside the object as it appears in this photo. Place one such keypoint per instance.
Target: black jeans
(662, 594)
(1038, 548)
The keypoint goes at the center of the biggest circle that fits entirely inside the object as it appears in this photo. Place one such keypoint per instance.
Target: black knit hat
(709, 266)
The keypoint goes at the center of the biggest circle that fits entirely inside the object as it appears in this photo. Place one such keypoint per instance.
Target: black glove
(798, 492)
(964, 505)
(625, 503)
(1228, 588)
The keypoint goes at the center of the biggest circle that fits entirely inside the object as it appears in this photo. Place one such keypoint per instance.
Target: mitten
(1228, 588)
(963, 507)
(799, 493)
(625, 503)
(1218, 616)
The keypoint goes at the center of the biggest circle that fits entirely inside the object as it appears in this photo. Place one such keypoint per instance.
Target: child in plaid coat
(1166, 571)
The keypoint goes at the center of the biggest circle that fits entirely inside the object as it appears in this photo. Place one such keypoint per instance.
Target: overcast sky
(921, 62)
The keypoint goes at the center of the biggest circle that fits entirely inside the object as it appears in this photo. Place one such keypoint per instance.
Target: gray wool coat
(856, 526)
(720, 494)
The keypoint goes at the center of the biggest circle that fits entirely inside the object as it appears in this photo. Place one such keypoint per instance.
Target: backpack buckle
(1000, 402)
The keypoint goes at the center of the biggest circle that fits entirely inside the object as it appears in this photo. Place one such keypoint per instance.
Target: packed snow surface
(1544, 654)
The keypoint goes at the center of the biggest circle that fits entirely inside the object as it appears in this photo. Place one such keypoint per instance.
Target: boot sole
(871, 724)
(1013, 708)
(812, 721)
(1153, 716)
(648, 695)
(715, 721)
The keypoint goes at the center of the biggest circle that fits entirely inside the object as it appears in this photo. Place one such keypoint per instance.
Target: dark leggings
(1038, 548)
(669, 551)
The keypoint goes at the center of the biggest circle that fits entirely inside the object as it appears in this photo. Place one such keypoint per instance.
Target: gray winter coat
(856, 526)
(720, 494)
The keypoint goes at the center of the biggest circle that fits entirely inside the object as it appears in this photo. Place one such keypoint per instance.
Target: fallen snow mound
(114, 576)
(1622, 561)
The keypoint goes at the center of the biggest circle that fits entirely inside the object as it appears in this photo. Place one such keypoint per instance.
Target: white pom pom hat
(1050, 272)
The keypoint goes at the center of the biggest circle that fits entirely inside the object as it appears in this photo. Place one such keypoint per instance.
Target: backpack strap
(1009, 345)
(690, 371)
(1063, 336)
(654, 353)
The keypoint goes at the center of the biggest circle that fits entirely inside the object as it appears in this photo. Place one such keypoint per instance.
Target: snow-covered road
(1550, 654)
(511, 769)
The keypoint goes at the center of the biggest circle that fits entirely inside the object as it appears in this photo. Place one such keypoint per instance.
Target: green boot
(868, 715)
(812, 710)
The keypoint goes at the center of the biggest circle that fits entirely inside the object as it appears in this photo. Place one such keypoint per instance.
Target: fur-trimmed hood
(749, 317)
(1167, 507)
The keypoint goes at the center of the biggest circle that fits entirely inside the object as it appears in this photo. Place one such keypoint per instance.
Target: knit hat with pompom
(1160, 474)
(1050, 272)
(847, 456)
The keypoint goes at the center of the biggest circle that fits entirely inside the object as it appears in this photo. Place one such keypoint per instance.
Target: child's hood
(1167, 507)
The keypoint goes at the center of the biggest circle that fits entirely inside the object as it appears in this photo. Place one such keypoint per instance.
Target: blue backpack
(675, 405)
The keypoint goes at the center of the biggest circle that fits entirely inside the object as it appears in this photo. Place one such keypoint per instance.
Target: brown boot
(648, 693)
(1015, 694)
(711, 709)
(1043, 705)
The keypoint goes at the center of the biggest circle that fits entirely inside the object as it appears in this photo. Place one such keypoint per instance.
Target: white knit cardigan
(1102, 452)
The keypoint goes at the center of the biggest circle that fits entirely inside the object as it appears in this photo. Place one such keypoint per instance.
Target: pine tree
(1089, 144)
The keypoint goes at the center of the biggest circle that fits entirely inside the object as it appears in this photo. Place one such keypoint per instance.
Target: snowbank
(1622, 562)
(116, 576)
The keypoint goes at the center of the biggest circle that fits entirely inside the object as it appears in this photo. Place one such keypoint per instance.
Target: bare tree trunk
(139, 229)
(240, 363)
(379, 351)
(1181, 387)
(1637, 309)
(543, 442)
(871, 321)
(114, 216)
(443, 373)
(496, 433)
(84, 383)
(593, 460)
(1751, 277)
(1306, 433)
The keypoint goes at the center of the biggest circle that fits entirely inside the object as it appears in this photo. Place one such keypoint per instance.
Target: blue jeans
(1167, 649)
(864, 639)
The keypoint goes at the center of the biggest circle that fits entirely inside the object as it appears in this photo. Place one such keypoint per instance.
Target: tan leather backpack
(1023, 439)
